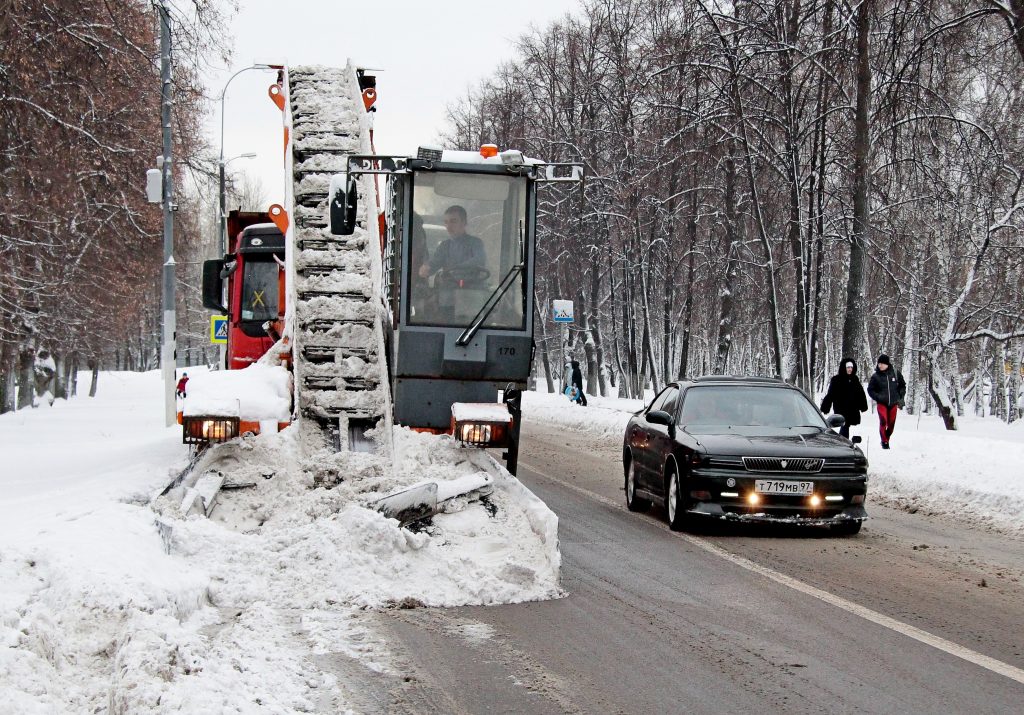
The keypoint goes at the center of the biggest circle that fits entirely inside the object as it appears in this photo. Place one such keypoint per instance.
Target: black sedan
(744, 449)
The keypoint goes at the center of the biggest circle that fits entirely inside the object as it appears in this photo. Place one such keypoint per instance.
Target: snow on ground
(110, 602)
(974, 473)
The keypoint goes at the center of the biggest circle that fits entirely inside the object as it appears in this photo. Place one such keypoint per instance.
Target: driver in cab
(459, 251)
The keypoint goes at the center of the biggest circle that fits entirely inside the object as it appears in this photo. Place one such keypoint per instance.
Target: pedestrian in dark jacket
(846, 396)
(887, 388)
(577, 382)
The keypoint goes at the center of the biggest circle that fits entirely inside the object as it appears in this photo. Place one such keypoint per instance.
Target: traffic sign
(562, 311)
(218, 328)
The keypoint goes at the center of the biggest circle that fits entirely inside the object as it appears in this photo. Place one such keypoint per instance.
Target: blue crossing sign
(561, 311)
(218, 328)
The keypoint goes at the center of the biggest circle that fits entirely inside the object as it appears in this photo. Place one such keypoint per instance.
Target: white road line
(954, 649)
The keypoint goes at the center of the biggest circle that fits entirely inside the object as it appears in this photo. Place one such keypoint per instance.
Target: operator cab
(458, 272)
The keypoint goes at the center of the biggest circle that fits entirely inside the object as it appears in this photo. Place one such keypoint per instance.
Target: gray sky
(430, 53)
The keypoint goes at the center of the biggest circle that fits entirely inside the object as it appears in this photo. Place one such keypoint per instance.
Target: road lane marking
(946, 646)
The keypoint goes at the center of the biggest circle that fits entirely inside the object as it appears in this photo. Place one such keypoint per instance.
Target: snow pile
(257, 392)
(304, 534)
(109, 603)
(605, 416)
(973, 473)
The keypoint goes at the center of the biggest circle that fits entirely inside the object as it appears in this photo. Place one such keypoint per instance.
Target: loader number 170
(506, 351)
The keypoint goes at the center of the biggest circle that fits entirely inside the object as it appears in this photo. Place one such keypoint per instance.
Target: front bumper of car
(834, 498)
(755, 515)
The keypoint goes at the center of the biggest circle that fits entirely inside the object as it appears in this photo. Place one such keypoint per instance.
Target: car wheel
(633, 502)
(675, 508)
(848, 528)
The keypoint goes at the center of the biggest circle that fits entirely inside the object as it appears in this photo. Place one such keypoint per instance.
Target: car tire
(675, 506)
(633, 502)
(849, 528)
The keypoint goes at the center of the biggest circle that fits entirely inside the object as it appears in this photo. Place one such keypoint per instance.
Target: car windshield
(707, 406)
(468, 234)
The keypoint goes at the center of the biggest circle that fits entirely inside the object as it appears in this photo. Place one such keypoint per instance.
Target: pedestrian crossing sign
(218, 328)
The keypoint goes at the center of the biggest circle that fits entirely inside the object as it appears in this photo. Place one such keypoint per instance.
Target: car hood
(759, 441)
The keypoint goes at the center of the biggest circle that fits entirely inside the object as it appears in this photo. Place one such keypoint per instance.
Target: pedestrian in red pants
(887, 388)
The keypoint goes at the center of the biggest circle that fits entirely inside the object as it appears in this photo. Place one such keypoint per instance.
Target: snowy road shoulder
(973, 474)
(111, 603)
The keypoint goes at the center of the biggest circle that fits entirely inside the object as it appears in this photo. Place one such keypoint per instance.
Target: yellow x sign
(257, 298)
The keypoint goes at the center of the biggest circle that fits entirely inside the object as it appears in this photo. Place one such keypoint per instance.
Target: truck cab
(247, 285)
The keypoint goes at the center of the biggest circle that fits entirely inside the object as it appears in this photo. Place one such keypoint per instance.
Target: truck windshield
(259, 291)
(468, 233)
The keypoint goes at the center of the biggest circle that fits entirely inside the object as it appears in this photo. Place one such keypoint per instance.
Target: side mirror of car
(660, 417)
(856, 439)
(835, 421)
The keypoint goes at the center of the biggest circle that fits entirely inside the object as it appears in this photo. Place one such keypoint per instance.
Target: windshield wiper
(477, 322)
(489, 306)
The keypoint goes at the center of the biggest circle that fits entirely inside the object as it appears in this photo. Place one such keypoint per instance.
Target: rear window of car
(748, 406)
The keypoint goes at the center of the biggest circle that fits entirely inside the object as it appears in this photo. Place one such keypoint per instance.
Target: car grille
(799, 465)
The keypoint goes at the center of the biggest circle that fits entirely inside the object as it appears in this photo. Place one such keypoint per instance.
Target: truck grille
(799, 465)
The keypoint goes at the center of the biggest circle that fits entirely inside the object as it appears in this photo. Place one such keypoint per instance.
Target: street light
(221, 162)
(223, 197)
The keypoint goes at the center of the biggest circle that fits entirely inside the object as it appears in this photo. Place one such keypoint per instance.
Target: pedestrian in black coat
(846, 396)
(577, 382)
(887, 388)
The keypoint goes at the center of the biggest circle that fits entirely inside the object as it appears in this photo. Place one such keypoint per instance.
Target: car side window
(671, 401)
(659, 401)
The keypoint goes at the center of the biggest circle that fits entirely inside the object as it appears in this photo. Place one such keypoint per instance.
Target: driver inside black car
(461, 257)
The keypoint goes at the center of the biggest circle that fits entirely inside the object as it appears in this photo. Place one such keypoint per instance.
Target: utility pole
(167, 351)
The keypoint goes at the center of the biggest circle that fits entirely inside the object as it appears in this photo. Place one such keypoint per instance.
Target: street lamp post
(221, 162)
(223, 197)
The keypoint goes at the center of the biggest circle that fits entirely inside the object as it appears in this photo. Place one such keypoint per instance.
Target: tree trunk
(94, 365)
(7, 378)
(73, 382)
(60, 376)
(854, 326)
(26, 377)
(733, 240)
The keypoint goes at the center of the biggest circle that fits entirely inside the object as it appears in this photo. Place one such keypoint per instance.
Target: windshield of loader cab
(259, 290)
(468, 233)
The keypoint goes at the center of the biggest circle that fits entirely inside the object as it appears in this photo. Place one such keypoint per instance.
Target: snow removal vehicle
(417, 314)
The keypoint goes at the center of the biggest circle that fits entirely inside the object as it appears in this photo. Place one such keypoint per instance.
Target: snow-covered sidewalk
(974, 473)
(112, 602)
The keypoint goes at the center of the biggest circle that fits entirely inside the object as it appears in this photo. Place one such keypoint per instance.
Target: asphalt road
(911, 616)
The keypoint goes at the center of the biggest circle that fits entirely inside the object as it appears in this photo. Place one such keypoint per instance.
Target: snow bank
(257, 392)
(604, 416)
(973, 473)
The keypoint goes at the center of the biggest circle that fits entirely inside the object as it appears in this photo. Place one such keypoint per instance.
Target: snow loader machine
(409, 291)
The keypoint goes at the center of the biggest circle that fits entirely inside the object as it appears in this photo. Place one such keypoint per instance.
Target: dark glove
(899, 403)
(822, 408)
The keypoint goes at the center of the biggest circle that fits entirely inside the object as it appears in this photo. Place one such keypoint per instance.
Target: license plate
(777, 486)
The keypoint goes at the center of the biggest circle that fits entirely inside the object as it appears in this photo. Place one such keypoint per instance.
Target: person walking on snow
(845, 396)
(577, 382)
(179, 391)
(887, 388)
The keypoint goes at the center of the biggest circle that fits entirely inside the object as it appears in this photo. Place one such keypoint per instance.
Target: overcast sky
(430, 53)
